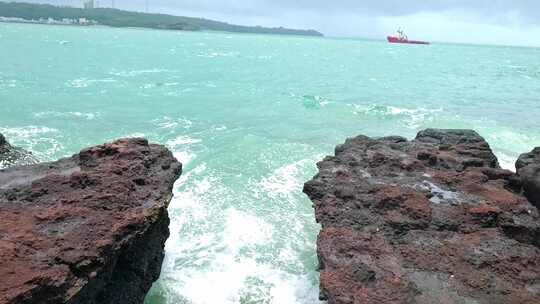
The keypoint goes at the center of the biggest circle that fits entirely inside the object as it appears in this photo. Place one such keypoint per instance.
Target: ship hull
(392, 39)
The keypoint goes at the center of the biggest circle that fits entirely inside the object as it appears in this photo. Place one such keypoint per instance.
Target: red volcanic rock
(433, 220)
(87, 229)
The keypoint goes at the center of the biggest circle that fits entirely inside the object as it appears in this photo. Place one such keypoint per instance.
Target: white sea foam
(27, 132)
(508, 145)
(133, 135)
(171, 123)
(506, 161)
(216, 244)
(147, 86)
(184, 157)
(218, 54)
(43, 142)
(182, 140)
(54, 114)
(283, 181)
(181, 147)
(517, 141)
(7, 83)
(234, 277)
(413, 118)
(134, 73)
(246, 281)
(286, 181)
(245, 229)
(85, 82)
(219, 128)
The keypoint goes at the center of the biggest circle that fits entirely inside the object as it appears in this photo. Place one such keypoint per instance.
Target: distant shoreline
(46, 14)
(155, 29)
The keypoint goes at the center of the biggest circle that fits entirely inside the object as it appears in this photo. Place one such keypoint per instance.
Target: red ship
(402, 38)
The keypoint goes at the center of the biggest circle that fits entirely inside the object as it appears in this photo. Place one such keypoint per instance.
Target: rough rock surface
(12, 156)
(433, 220)
(528, 168)
(87, 229)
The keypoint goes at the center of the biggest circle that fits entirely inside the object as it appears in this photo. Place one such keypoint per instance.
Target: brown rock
(86, 229)
(433, 220)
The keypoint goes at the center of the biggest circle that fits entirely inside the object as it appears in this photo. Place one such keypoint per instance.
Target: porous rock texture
(432, 220)
(13, 156)
(87, 229)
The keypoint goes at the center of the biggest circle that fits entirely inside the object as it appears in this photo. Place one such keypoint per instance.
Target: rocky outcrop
(432, 220)
(13, 156)
(528, 168)
(87, 229)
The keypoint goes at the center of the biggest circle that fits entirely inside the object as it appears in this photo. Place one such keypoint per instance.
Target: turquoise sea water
(249, 116)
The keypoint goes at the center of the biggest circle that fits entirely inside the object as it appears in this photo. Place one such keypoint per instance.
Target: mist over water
(249, 116)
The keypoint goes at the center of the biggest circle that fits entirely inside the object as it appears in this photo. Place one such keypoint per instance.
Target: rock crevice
(432, 220)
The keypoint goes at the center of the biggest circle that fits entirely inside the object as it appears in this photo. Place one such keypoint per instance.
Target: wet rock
(87, 229)
(432, 220)
(14, 156)
(528, 168)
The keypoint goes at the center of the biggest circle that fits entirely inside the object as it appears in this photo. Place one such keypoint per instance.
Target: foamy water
(249, 116)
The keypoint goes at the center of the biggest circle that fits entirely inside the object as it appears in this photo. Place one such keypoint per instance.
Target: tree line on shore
(120, 18)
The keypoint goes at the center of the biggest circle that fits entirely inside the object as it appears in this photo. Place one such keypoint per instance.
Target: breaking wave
(412, 118)
(78, 115)
(45, 143)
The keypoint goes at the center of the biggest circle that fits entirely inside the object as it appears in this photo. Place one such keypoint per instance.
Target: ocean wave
(24, 133)
(511, 140)
(85, 82)
(185, 157)
(170, 123)
(241, 281)
(507, 161)
(236, 236)
(132, 135)
(221, 260)
(314, 101)
(218, 54)
(213, 243)
(182, 141)
(135, 73)
(528, 72)
(508, 144)
(147, 86)
(78, 115)
(43, 142)
(219, 128)
(413, 118)
(7, 83)
(284, 181)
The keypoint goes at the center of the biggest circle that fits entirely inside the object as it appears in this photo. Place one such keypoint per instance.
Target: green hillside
(120, 18)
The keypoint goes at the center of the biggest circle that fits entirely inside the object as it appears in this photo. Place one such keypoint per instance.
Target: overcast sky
(512, 22)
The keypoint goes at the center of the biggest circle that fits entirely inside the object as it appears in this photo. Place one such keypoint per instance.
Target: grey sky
(515, 22)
